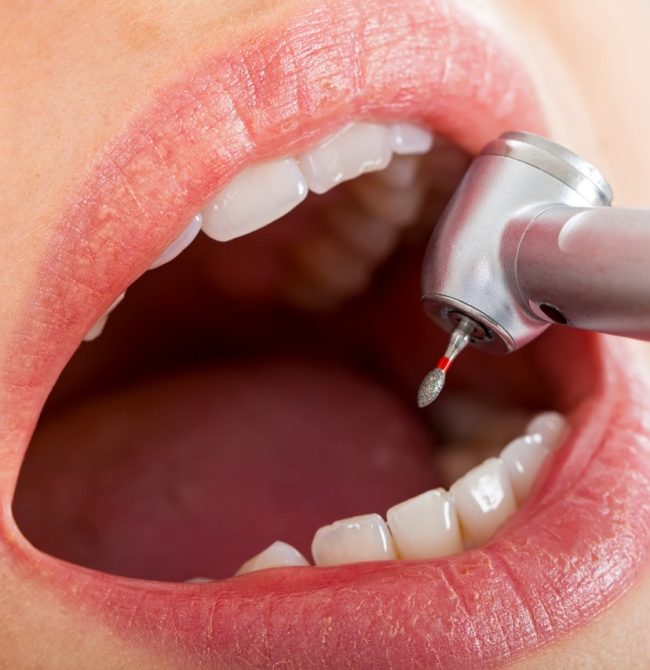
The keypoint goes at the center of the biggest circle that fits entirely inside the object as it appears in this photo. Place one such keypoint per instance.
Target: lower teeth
(438, 522)
(276, 555)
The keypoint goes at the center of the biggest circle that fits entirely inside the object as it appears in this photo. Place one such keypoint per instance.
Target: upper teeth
(355, 149)
(265, 192)
(181, 242)
(407, 138)
(98, 327)
(254, 198)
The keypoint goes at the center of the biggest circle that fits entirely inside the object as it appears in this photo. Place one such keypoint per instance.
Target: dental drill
(530, 239)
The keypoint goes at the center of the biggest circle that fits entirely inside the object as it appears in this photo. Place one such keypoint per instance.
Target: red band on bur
(444, 364)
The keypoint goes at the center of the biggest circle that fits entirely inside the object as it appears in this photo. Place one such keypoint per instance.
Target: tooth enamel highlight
(484, 500)
(180, 243)
(99, 325)
(524, 457)
(551, 427)
(359, 147)
(408, 138)
(256, 197)
(277, 555)
(425, 526)
(359, 538)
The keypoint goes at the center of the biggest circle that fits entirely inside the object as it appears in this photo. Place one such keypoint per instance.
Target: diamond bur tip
(430, 387)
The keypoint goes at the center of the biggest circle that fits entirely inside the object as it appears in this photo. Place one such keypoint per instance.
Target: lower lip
(583, 525)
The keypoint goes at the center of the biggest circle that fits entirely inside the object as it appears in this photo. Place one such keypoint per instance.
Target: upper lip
(323, 66)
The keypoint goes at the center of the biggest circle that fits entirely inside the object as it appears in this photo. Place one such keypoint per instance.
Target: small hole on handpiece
(553, 313)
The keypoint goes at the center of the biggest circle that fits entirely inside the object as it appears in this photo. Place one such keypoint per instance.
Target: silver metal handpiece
(530, 239)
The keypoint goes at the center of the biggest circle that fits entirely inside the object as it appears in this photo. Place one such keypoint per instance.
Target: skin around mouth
(586, 525)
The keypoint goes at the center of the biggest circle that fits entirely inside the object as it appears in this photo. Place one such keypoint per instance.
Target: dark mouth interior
(203, 425)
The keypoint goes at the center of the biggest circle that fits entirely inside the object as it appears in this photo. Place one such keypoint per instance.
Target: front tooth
(277, 555)
(359, 538)
(551, 427)
(96, 329)
(256, 197)
(409, 138)
(357, 148)
(180, 243)
(484, 500)
(425, 526)
(98, 326)
(524, 457)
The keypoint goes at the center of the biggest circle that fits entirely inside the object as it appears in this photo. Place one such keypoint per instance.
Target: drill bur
(431, 386)
(434, 382)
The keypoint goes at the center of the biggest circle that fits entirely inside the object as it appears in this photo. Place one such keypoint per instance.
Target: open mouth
(250, 407)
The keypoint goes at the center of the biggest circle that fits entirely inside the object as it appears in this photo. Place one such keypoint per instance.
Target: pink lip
(587, 526)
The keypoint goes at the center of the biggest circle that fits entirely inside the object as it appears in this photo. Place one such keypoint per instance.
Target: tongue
(193, 474)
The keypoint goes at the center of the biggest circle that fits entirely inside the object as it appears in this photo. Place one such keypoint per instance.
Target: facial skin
(72, 73)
